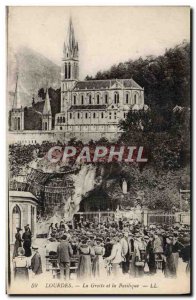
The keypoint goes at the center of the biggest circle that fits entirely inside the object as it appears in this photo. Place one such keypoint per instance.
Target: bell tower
(69, 67)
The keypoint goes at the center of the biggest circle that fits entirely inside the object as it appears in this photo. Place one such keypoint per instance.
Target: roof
(47, 107)
(22, 194)
(93, 107)
(104, 84)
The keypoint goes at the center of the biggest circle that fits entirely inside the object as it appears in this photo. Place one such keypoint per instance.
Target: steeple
(69, 67)
(70, 49)
(47, 114)
(16, 101)
(17, 112)
(47, 108)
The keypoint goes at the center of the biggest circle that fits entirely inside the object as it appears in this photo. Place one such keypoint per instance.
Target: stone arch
(15, 220)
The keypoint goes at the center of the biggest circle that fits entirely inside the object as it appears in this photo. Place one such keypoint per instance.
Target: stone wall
(37, 137)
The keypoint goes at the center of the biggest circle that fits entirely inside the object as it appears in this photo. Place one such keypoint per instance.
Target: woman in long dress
(27, 242)
(98, 266)
(84, 265)
(18, 242)
(20, 264)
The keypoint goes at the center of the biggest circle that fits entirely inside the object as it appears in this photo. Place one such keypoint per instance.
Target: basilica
(90, 106)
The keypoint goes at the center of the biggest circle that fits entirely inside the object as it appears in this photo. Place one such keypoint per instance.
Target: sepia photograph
(98, 150)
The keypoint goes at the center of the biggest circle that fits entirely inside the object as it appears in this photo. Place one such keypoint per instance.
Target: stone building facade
(93, 105)
(22, 211)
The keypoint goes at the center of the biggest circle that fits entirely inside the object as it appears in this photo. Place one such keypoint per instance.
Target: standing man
(18, 242)
(120, 224)
(64, 253)
(36, 262)
(125, 252)
(176, 248)
(116, 257)
(27, 241)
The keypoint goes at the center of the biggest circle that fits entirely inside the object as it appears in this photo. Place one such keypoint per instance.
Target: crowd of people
(21, 254)
(111, 249)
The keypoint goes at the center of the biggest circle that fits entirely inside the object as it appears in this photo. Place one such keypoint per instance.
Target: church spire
(47, 108)
(16, 101)
(70, 49)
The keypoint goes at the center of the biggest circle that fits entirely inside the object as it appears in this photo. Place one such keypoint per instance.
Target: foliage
(166, 78)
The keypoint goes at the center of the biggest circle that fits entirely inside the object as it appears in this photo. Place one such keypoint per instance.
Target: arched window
(16, 209)
(106, 98)
(16, 219)
(46, 126)
(135, 99)
(86, 115)
(74, 99)
(94, 115)
(82, 99)
(70, 115)
(90, 99)
(69, 70)
(66, 71)
(127, 98)
(102, 115)
(78, 115)
(114, 115)
(116, 98)
(58, 120)
(63, 119)
(14, 123)
(98, 97)
(18, 124)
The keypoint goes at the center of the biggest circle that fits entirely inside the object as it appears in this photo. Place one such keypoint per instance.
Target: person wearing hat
(98, 267)
(116, 257)
(169, 265)
(176, 249)
(64, 254)
(18, 242)
(85, 254)
(36, 262)
(28, 229)
(125, 252)
(138, 257)
(27, 241)
(108, 247)
(150, 255)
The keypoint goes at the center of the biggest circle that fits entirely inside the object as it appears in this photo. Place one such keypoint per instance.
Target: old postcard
(98, 114)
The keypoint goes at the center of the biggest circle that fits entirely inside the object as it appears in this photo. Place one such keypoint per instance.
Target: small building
(22, 211)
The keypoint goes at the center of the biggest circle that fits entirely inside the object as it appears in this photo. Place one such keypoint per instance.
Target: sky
(106, 35)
